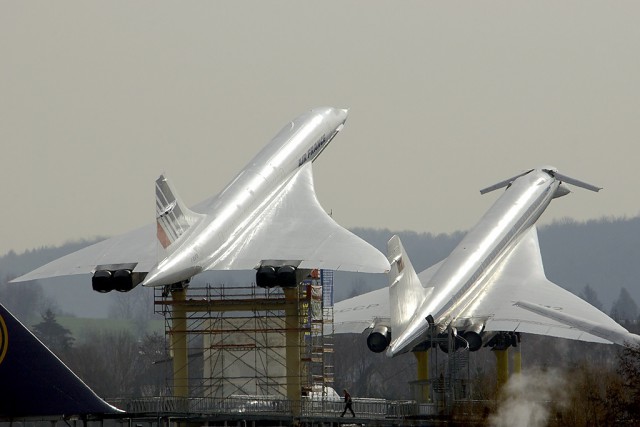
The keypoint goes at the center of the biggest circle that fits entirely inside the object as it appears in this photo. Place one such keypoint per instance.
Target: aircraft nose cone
(342, 114)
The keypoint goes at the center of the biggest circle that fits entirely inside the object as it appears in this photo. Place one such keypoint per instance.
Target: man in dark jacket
(347, 403)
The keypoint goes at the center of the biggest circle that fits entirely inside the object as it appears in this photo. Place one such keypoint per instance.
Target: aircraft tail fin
(35, 383)
(406, 292)
(173, 217)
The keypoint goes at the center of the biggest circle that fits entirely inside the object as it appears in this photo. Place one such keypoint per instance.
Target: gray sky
(98, 98)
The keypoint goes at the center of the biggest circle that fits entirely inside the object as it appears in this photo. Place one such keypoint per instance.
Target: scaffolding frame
(250, 341)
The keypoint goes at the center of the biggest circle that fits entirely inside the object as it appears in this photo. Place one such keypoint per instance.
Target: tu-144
(492, 282)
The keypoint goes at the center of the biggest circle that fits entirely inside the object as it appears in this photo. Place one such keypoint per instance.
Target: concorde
(268, 219)
(493, 281)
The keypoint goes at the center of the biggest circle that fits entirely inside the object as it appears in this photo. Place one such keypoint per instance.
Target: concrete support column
(178, 344)
(292, 324)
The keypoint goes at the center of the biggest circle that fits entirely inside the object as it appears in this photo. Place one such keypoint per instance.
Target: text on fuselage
(312, 151)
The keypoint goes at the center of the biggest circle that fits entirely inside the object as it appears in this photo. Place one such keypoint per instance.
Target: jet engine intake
(119, 277)
(503, 340)
(287, 276)
(122, 281)
(379, 338)
(269, 276)
(443, 341)
(266, 276)
(101, 281)
(473, 335)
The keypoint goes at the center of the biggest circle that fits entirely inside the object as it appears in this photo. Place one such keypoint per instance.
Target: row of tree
(600, 253)
(601, 383)
(114, 363)
(574, 383)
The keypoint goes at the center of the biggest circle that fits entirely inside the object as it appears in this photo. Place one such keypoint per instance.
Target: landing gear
(169, 289)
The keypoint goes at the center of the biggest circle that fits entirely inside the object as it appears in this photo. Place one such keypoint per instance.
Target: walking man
(347, 403)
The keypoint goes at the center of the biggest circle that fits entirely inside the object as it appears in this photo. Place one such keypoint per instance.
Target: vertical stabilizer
(35, 383)
(406, 292)
(173, 217)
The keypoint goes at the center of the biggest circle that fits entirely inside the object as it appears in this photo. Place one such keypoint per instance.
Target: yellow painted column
(422, 358)
(292, 325)
(179, 344)
(502, 367)
(517, 360)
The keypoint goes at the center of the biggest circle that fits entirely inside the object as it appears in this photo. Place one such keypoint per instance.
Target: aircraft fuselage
(459, 281)
(229, 213)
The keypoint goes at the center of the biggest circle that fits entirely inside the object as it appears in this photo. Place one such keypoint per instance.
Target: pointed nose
(343, 112)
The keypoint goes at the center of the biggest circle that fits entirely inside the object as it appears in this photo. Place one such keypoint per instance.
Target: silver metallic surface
(492, 282)
(269, 213)
(494, 279)
(456, 283)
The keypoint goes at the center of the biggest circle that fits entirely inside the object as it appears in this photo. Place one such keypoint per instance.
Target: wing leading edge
(135, 247)
(290, 226)
(293, 226)
(520, 298)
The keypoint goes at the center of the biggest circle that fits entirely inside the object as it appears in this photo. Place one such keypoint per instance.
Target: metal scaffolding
(228, 341)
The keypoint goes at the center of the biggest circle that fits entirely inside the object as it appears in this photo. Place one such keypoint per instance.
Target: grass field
(81, 326)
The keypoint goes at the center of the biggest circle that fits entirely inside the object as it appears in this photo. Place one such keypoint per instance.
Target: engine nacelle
(474, 339)
(287, 276)
(101, 281)
(443, 341)
(268, 276)
(122, 280)
(473, 335)
(503, 340)
(379, 338)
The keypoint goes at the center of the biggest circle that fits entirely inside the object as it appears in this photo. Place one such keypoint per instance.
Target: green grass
(81, 326)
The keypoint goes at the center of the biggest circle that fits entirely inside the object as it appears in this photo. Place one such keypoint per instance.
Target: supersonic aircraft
(268, 218)
(493, 281)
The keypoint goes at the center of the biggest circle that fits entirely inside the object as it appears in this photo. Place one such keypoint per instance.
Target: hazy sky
(98, 98)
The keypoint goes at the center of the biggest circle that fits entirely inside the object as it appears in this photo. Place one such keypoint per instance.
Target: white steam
(528, 398)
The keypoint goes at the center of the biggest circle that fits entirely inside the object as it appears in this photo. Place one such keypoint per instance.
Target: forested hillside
(603, 255)
(598, 260)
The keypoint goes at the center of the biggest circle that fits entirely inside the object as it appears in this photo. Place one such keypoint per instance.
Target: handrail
(266, 405)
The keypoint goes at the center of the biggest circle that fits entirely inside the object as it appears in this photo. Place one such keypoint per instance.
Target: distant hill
(12, 264)
(604, 254)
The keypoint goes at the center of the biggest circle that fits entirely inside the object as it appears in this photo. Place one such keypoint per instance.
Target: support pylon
(422, 358)
(517, 360)
(293, 336)
(179, 343)
(502, 366)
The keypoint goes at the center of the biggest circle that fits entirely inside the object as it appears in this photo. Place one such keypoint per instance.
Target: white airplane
(268, 218)
(493, 281)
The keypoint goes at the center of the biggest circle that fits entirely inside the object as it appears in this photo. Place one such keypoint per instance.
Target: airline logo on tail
(173, 218)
